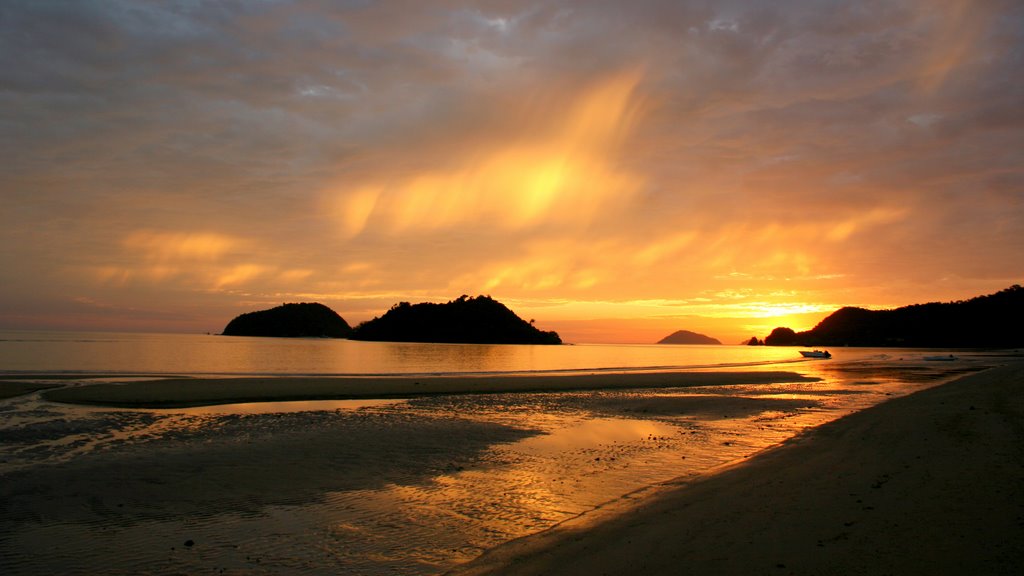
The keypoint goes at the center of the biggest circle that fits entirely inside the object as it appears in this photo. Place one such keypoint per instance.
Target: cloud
(179, 246)
(169, 154)
(559, 171)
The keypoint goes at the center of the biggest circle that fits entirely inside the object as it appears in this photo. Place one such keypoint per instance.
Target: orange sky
(616, 171)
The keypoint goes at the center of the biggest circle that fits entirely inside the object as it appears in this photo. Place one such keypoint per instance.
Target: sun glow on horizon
(647, 321)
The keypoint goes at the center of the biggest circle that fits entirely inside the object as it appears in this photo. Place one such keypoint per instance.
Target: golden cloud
(176, 246)
(198, 260)
(563, 173)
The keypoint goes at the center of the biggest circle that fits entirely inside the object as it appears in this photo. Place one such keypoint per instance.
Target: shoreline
(190, 392)
(480, 453)
(924, 483)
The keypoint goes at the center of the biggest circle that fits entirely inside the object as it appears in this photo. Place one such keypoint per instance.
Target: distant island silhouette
(991, 321)
(687, 337)
(305, 320)
(480, 320)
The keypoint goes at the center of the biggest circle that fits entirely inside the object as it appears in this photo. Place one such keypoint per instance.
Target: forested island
(305, 320)
(991, 321)
(688, 337)
(480, 320)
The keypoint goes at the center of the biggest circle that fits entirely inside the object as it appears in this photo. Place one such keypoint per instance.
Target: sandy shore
(931, 483)
(180, 392)
(10, 389)
(406, 487)
(318, 492)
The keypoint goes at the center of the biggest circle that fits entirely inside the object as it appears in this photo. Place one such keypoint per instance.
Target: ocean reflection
(592, 434)
(190, 354)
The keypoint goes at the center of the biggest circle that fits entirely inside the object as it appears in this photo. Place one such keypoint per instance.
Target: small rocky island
(480, 320)
(687, 337)
(305, 320)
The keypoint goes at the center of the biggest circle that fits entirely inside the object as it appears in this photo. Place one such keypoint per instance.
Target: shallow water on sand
(410, 487)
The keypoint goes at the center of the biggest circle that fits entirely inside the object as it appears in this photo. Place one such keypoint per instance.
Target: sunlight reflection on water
(591, 434)
(206, 354)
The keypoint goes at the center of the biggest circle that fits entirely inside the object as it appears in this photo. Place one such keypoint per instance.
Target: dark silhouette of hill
(687, 337)
(479, 320)
(306, 320)
(991, 321)
(781, 337)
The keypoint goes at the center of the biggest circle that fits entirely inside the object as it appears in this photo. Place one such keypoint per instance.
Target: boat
(947, 358)
(815, 354)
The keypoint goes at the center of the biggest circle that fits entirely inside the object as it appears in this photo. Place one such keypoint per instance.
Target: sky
(614, 170)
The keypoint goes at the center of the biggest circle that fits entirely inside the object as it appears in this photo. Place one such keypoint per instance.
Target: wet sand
(181, 392)
(929, 483)
(413, 486)
(10, 389)
(254, 494)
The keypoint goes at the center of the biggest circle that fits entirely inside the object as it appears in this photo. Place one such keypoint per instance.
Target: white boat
(947, 358)
(815, 354)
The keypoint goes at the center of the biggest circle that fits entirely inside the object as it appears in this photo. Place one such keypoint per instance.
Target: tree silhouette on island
(480, 320)
(991, 321)
(305, 320)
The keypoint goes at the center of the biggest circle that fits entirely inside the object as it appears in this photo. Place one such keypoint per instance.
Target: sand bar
(929, 483)
(11, 389)
(180, 392)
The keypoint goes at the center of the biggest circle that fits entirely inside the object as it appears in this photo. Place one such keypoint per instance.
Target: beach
(931, 483)
(723, 471)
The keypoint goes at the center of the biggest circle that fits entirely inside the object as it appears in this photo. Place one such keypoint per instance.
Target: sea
(390, 486)
(203, 354)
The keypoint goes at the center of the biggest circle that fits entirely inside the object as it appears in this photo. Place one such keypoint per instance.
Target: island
(991, 321)
(304, 320)
(480, 320)
(687, 337)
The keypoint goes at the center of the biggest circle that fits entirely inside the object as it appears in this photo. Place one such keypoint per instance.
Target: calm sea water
(209, 354)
